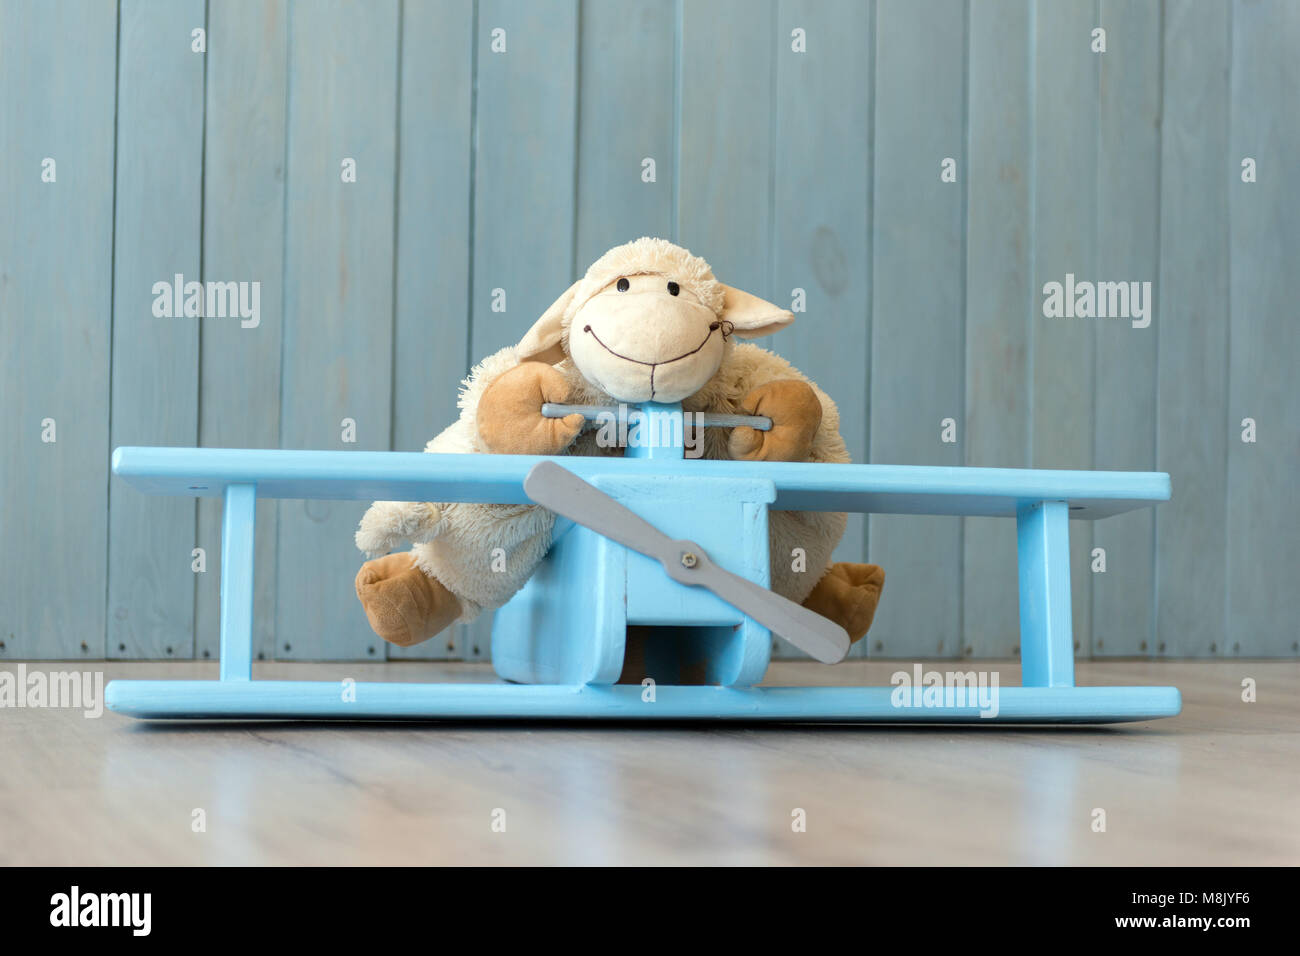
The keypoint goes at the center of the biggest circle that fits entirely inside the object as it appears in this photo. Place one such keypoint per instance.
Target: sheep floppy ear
(751, 316)
(542, 341)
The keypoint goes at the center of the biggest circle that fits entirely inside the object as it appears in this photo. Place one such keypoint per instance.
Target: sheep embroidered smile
(642, 341)
(595, 376)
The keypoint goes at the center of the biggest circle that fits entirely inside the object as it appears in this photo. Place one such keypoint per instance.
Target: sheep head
(648, 322)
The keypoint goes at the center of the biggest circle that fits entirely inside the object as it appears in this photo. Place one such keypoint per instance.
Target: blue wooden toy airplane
(653, 540)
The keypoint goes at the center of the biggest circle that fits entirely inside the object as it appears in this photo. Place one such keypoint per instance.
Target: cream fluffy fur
(455, 542)
(648, 256)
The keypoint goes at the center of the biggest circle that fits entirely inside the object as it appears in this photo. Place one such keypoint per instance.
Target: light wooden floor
(1219, 784)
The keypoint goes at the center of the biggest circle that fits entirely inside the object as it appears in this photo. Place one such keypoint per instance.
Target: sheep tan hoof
(796, 415)
(403, 604)
(848, 594)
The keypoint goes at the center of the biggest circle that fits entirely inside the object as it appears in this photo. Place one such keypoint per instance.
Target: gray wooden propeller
(563, 492)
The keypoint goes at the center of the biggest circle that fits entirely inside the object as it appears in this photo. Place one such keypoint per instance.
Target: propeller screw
(689, 560)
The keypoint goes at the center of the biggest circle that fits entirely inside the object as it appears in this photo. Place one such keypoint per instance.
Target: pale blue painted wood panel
(524, 162)
(338, 301)
(155, 359)
(724, 165)
(626, 85)
(1128, 249)
(56, 253)
(1264, 344)
(1065, 230)
(243, 241)
(412, 476)
(1000, 302)
(431, 312)
(524, 166)
(725, 155)
(822, 213)
(917, 334)
(738, 191)
(1192, 335)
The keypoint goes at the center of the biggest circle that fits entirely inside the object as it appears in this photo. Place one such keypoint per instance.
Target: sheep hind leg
(403, 604)
(848, 594)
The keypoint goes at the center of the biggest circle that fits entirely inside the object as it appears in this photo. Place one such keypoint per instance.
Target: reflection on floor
(1216, 785)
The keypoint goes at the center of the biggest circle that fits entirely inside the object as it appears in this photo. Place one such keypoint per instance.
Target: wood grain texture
(243, 241)
(1000, 306)
(524, 168)
(817, 170)
(1263, 603)
(431, 283)
(1062, 358)
(917, 339)
(338, 302)
(1128, 250)
(627, 78)
(725, 151)
(1213, 786)
(155, 393)
(56, 253)
(822, 214)
(1192, 428)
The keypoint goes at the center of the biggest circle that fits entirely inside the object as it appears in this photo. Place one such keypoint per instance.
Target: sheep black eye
(623, 285)
(673, 288)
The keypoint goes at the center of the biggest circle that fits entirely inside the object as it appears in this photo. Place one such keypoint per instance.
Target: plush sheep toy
(647, 322)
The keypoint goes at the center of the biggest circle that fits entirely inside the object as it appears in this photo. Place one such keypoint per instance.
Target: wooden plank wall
(1000, 302)
(432, 267)
(1263, 339)
(243, 236)
(501, 145)
(337, 358)
(155, 396)
(1192, 370)
(56, 307)
(917, 335)
(821, 239)
(1128, 247)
